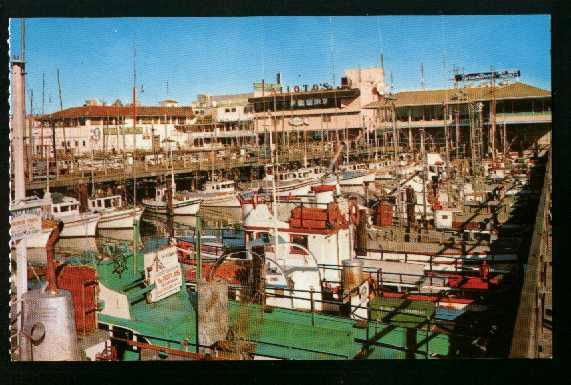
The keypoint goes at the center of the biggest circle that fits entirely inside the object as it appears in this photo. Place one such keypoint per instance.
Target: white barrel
(49, 327)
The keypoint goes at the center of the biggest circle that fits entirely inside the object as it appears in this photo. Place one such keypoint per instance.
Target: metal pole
(135, 224)
(197, 251)
(18, 128)
(198, 268)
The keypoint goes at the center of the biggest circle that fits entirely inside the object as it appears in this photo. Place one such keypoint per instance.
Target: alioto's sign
(163, 269)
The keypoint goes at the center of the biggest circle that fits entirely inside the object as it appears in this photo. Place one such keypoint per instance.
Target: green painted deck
(282, 333)
(279, 333)
(401, 312)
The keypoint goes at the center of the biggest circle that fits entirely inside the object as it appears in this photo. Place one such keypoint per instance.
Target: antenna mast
(422, 76)
(135, 224)
(61, 108)
(22, 38)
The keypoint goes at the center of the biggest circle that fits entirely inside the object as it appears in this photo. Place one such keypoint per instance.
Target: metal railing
(527, 337)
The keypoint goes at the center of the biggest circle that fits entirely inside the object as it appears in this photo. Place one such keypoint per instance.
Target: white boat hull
(82, 226)
(225, 200)
(302, 188)
(357, 181)
(119, 219)
(118, 234)
(188, 207)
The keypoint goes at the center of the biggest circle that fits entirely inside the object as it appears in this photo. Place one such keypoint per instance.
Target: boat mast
(135, 224)
(274, 194)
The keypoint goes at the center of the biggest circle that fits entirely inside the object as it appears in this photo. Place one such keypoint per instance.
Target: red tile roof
(113, 111)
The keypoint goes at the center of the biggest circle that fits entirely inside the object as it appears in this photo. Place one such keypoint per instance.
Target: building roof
(459, 95)
(111, 111)
(219, 98)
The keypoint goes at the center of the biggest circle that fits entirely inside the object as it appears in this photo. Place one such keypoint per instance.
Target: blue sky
(225, 55)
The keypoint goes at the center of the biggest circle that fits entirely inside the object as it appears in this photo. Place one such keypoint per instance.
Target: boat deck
(279, 333)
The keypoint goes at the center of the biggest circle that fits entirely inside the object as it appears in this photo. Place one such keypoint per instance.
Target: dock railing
(527, 340)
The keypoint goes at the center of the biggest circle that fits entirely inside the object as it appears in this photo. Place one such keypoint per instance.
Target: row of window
(296, 103)
(64, 209)
(121, 120)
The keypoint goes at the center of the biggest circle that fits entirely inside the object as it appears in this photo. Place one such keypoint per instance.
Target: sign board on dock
(23, 225)
(163, 269)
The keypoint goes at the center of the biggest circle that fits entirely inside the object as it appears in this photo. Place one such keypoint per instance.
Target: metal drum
(48, 332)
(352, 275)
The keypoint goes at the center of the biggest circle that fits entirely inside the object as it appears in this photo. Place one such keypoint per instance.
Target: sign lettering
(163, 269)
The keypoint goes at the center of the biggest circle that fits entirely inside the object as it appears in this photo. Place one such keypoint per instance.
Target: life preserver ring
(354, 214)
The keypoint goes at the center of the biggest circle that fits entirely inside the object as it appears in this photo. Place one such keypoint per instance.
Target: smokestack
(18, 126)
(279, 78)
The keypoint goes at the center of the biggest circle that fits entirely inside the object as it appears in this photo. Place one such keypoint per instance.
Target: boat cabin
(354, 167)
(65, 207)
(225, 186)
(104, 203)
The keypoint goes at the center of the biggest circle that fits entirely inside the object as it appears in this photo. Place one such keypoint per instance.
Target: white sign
(163, 269)
(24, 225)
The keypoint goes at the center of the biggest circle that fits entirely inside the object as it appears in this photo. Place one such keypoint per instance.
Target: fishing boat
(28, 215)
(66, 209)
(183, 202)
(292, 182)
(219, 193)
(355, 178)
(113, 213)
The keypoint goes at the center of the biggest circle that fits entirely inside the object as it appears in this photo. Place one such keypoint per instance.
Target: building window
(234, 109)
(63, 144)
(301, 103)
(76, 143)
(309, 102)
(226, 110)
(84, 143)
